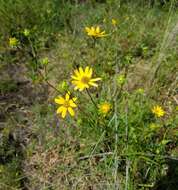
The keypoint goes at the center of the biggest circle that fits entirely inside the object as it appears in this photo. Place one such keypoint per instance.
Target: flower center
(66, 104)
(105, 108)
(85, 80)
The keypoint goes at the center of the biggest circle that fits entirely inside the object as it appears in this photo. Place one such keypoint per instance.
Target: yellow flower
(114, 22)
(158, 111)
(95, 32)
(121, 79)
(104, 108)
(83, 78)
(45, 61)
(13, 42)
(26, 32)
(140, 91)
(66, 105)
(176, 108)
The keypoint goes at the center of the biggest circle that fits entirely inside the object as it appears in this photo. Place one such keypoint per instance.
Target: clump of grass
(7, 86)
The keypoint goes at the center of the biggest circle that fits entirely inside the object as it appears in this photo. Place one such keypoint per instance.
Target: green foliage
(136, 60)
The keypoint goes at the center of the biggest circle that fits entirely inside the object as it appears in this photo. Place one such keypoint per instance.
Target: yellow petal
(74, 82)
(76, 88)
(95, 79)
(81, 71)
(92, 29)
(59, 100)
(67, 97)
(64, 112)
(90, 72)
(71, 111)
(97, 29)
(87, 29)
(74, 77)
(72, 104)
(60, 109)
(81, 87)
(86, 70)
(76, 72)
(93, 84)
(74, 99)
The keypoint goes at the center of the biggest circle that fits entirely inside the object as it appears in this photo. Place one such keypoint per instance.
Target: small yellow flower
(121, 79)
(66, 105)
(13, 42)
(176, 108)
(45, 61)
(104, 108)
(140, 91)
(26, 32)
(114, 22)
(95, 32)
(82, 78)
(158, 111)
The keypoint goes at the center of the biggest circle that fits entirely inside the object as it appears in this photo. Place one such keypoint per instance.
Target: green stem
(94, 103)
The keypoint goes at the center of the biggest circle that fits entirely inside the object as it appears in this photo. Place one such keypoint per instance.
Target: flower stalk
(94, 103)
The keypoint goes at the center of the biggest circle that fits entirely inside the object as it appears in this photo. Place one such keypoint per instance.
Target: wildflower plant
(110, 112)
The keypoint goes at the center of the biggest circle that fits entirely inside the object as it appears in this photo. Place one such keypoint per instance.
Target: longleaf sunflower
(95, 32)
(82, 78)
(13, 42)
(66, 105)
(158, 111)
(104, 108)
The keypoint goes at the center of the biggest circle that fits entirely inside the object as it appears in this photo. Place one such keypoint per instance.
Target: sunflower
(95, 32)
(66, 105)
(104, 108)
(158, 111)
(82, 79)
(13, 42)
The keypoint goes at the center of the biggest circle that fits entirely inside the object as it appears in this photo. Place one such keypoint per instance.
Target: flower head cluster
(82, 78)
(95, 32)
(13, 42)
(158, 111)
(104, 108)
(66, 105)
